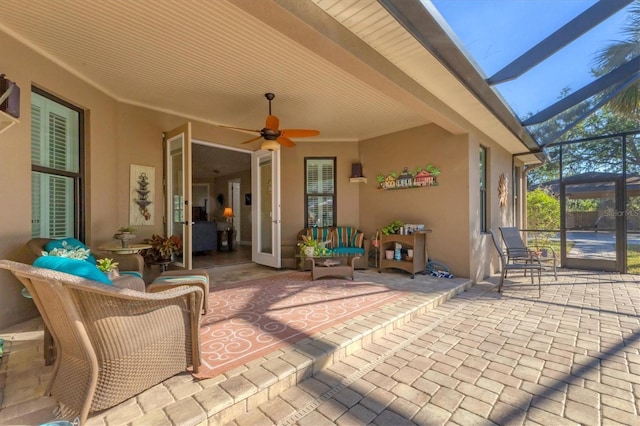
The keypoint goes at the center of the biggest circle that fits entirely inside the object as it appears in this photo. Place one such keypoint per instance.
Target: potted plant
(162, 248)
(375, 239)
(392, 228)
(309, 246)
(108, 266)
(126, 229)
(124, 234)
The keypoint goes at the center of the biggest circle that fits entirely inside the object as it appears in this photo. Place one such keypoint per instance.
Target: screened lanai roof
(538, 57)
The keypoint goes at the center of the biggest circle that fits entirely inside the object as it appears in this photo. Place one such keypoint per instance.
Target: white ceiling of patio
(346, 68)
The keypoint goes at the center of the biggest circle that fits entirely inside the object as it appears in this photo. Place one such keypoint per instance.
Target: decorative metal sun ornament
(502, 190)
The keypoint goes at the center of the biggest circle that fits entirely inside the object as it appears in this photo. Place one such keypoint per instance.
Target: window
(320, 191)
(483, 189)
(56, 167)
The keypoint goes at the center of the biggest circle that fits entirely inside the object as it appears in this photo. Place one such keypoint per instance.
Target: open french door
(265, 184)
(178, 189)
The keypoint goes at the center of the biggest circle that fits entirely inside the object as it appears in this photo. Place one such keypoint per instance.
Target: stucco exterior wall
(28, 68)
(443, 208)
(118, 135)
(348, 202)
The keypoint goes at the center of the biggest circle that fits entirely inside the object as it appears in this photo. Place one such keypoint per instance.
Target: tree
(627, 103)
(543, 213)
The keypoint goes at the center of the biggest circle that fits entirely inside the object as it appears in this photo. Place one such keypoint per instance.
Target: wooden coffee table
(333, 265)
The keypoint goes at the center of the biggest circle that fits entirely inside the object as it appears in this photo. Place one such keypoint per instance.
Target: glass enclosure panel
(590, 221)
(632, 211)
(633, 231)
(266, 206)
(592, 158)
(176, 190)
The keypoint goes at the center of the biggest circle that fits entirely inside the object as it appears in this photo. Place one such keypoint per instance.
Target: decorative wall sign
(503, 191)
(142, 191)
(418, 178)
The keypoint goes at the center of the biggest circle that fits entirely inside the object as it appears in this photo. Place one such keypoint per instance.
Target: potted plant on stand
(124, 234)
(162, 249)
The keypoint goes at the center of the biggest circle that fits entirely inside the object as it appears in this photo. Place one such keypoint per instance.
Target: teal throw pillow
(68, 244)
(80, 268)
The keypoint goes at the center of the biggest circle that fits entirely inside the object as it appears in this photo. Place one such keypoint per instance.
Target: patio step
(226, 397)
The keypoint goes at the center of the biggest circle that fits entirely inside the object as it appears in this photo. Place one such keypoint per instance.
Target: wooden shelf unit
(416, 241)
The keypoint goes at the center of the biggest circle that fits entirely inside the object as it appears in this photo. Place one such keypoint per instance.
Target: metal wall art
(142, 191)
(417, 178)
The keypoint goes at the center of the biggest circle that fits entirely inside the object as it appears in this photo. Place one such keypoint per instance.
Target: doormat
(251, 319)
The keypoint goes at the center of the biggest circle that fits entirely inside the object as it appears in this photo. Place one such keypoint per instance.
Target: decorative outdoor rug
(248, 320)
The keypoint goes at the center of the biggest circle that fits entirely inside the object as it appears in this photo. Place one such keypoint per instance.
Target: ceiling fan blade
(285, 141)
(238, 128)
(272, 122)
(251, 140)
(299, 133)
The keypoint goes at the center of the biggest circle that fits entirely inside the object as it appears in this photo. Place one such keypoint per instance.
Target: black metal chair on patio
(532, 264)
(517, 250)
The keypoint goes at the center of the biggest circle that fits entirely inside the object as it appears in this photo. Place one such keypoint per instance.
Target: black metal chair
(532, 264)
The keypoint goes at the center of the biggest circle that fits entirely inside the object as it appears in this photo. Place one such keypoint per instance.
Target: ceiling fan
(273, 136)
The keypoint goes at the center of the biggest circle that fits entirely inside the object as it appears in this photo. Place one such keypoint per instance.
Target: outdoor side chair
(517, 250)
(512, 265)
(111, 343)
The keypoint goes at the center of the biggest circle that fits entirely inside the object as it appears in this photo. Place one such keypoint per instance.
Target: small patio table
(331, 264)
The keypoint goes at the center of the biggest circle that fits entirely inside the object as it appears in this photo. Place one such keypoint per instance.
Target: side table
(332, 266)
(225, 240)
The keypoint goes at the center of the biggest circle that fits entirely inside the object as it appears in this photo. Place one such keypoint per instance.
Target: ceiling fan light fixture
(270, 146)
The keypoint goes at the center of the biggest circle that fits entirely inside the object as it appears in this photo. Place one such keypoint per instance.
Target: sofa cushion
(77, 267)
(346, 236)
(323, 235)
(348, 250)
(69, 244)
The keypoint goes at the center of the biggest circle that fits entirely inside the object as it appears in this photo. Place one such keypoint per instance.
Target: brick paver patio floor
(569, 357)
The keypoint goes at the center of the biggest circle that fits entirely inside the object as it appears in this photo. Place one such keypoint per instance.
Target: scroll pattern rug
(248, 320)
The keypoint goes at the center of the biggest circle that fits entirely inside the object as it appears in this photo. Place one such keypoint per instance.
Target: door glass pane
(266, 206)
(176, 190)
(590, 221)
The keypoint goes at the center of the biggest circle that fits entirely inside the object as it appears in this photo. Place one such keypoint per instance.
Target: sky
(495, 32)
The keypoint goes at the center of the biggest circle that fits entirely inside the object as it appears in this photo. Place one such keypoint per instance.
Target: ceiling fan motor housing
(269, 134)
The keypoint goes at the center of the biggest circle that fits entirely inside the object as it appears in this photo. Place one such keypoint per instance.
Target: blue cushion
(78, 267)
(132, 273)
(71, 243)
(348, 250)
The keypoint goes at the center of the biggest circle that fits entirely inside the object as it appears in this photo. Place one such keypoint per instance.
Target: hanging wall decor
(142, 192)
(502, 190)
(417, 178)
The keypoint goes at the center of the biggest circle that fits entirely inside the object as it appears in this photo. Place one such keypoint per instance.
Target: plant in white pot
(108, 266)
(309, 246)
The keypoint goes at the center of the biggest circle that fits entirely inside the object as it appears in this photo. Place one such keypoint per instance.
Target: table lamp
(228, 213)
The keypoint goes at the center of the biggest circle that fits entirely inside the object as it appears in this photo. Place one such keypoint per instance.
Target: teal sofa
(341, 239)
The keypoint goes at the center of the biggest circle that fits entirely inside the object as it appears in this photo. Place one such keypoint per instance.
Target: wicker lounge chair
(111, 343)
(531, 264)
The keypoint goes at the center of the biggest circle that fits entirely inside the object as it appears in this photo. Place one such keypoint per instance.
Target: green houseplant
(108, 266)
(309, 246)
(162, 248)
(392, 228)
